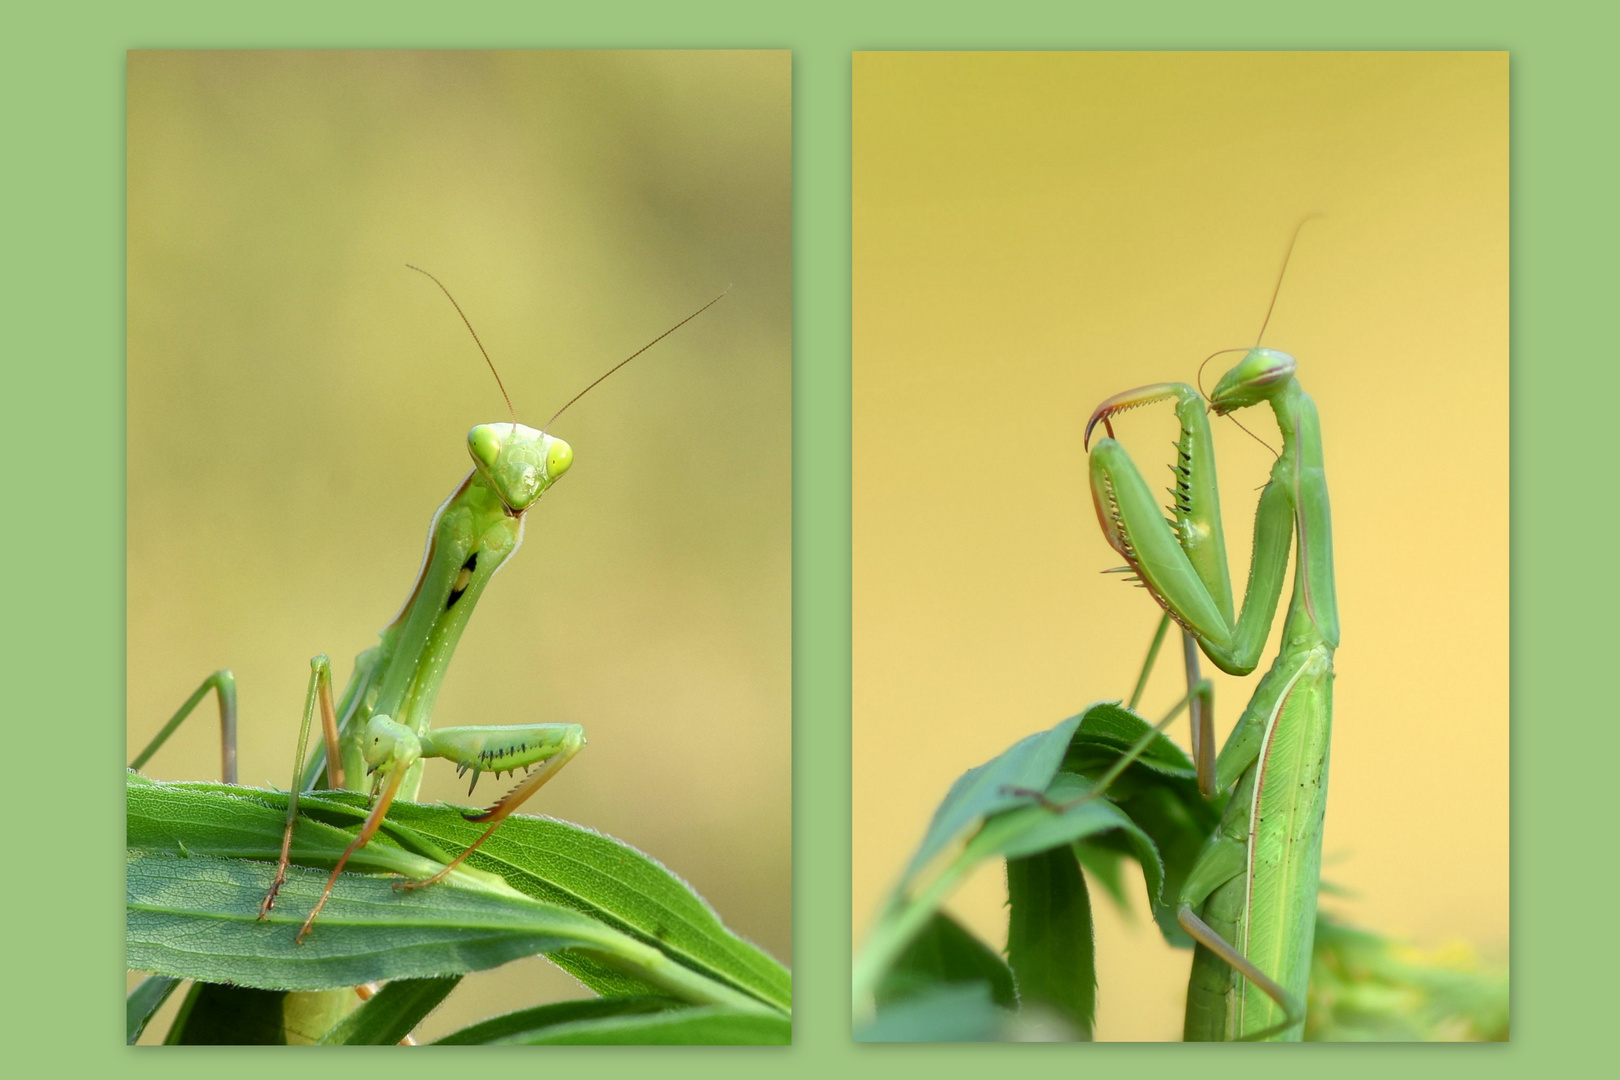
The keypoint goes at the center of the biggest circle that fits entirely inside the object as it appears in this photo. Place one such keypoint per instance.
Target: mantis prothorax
(1250, 898)
(378, 732)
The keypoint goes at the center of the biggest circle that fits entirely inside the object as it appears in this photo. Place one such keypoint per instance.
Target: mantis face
(1256, 378)
(517, 461)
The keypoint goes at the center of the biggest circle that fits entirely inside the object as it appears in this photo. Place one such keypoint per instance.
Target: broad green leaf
(392, 1013)
(214, 1015)
(1113, 726)
(143, 1001)
(1034, 828)
(197, 917)
(1105, 865)
(246, 823)
(953, 1013)
(945, 952)
(1050, 944)
(576, 868)
(1158, 792)
(599, 977)
(984, 807)
(676, 1027)
(525, 1023)
(1025, 830)
(561, 865)
(992, 787)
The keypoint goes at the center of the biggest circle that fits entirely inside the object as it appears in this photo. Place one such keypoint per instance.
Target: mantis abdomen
(1268, 911)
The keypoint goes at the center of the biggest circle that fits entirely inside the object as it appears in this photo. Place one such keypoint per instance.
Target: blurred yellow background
(1034, 232)
(299, 402)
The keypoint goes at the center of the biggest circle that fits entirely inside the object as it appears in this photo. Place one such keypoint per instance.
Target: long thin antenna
(1275, 292)
(633, 355)
(1286, 256)
(474, 334)
(1229, 416)
(1218, 352)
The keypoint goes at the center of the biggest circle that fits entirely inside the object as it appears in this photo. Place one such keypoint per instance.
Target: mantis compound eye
(1254, 379)
(485, 444)
(558, 457)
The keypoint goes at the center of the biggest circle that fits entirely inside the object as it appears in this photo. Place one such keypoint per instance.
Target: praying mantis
(376, 735)
(1250, 899)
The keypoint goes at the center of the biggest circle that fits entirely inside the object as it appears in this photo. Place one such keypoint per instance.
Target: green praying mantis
(377, 734)
(1250, 899)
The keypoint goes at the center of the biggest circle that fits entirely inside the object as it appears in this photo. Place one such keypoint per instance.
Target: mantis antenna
(1287, 255)
(633, 355)
(1275, 291)
(477, 342)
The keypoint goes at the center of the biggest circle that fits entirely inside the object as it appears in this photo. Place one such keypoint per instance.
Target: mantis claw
(1130, 399)
(270, 897)
(1040, 797)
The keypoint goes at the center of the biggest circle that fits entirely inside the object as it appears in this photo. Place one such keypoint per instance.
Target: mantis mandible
(1250, 898)
(377, 734)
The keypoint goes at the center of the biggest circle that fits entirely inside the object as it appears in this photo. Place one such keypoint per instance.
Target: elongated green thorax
(472, 535)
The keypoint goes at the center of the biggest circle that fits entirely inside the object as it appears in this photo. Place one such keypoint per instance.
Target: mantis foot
(1040, 798)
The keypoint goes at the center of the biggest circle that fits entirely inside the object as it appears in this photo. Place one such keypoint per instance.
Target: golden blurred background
(298, 403)
(1034, 232)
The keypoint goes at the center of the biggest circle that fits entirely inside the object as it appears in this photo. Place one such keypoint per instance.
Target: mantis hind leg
(1225, 953)
(1214, 891)
(223, 683)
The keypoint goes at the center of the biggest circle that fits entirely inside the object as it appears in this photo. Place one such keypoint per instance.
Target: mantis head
(517, 461)
(1257, 377)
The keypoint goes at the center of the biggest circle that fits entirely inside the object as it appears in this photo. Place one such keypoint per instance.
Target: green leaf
(1108, 725)
(213, 1015)
(599, 977)
(551, 861)
(1158, 792)
(197, 917)
(943, 953)
(523, 1024)
(143, 1001)
(1025, 830)
(392, 1013)
(1050, 944)
(1031, 829)
(955, 1013)
(1105, 865)
(572, 867)
(992, 787)
(187, 819)
(611, 907)
(993, 807)
(676, 1027)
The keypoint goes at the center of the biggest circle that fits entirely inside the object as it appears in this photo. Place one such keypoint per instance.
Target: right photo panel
(1180, 546)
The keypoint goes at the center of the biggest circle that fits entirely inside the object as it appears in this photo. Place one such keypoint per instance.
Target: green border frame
(63, 82)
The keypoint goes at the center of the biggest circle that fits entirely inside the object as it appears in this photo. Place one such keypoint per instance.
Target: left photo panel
(400, 550)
